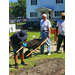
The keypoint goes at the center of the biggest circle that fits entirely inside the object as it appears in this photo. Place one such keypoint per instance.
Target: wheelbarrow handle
(16, 51)
(37, 47)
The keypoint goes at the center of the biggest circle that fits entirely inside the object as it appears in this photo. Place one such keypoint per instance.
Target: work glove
(24, 44)
(14, 50)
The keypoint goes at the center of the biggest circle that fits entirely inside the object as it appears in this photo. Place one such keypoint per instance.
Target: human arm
(12, 44)
(40, 31)
(56, 31)
(25, 43)
(49, 32)
(40, 28)
(57, 27)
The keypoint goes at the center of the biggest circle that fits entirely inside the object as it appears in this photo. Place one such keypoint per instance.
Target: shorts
(18, 47)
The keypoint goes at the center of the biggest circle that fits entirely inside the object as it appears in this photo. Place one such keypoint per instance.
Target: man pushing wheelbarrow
(16, 41)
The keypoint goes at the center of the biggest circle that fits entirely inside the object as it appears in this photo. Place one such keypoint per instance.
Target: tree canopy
(18, 8)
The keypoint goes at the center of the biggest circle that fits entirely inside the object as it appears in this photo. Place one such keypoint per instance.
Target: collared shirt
(45, 24)
(61, 25)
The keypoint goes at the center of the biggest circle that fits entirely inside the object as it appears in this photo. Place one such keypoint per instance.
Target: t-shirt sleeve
(49, 24)
(57, 24)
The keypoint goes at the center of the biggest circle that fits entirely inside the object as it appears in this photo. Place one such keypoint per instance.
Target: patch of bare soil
(46, 67)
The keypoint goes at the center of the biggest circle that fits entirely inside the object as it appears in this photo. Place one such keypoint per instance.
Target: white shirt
(61, 24)
(45, 24)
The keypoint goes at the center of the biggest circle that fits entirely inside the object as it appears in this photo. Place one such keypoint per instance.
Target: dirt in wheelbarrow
(47, 66)
(33, 42)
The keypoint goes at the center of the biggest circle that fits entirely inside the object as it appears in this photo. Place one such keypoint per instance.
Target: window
(59, 1)
(58, 13)
(33, 14)
(33, 2)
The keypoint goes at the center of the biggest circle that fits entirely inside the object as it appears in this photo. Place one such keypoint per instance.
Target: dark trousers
(60, 38)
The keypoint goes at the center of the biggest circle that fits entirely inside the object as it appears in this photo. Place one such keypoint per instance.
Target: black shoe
(23, 63)
(56, 51)
(64, 51)
(16, 66)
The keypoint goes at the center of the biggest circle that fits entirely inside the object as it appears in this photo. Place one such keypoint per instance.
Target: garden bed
(46, 66)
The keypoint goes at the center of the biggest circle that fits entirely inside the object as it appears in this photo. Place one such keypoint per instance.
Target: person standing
(16, 41)
(61, 26)
(45, 33)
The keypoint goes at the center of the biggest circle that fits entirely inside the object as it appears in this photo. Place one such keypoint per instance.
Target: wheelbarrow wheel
(26, 53)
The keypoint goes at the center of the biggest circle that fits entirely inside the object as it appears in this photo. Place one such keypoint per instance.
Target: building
(35, 9)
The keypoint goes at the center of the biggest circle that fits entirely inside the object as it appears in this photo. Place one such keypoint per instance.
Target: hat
(62, 14)
(22, 35)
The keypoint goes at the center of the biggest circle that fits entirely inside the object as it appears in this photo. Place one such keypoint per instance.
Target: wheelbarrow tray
(32, 44)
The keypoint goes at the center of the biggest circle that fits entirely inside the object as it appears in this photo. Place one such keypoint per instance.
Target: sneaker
(49, 53)
(23, 63)
(16, 66)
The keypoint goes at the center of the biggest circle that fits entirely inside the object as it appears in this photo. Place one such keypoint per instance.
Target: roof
(44, 8)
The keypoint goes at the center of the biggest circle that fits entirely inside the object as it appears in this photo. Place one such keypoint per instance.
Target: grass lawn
(18, 24)
(31, 34)
(31, 60)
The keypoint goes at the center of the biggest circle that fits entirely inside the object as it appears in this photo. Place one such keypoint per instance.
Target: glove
(14, 50)
(24, 44)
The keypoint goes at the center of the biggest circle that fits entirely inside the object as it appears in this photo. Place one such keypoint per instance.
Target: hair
(44, 15)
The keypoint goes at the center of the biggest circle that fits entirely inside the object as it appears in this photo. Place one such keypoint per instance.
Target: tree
(20, 9)
(12, 4)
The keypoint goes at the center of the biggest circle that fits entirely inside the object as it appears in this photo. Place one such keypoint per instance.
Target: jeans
(44, 35)
(60, 38)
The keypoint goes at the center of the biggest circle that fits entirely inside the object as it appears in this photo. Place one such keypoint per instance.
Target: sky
(13, 0)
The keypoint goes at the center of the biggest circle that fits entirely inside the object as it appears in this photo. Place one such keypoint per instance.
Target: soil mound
(46, 67)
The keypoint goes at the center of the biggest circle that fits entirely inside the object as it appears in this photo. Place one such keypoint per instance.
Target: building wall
(44, 3)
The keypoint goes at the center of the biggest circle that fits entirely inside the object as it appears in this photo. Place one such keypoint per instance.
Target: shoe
(23, 63)
(16, 66)
(56, 51)
(49, 53)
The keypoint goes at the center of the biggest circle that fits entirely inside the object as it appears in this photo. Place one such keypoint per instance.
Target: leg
(16, 57)
(47, 42)
(42, 47)
(64, 43)
(59, 41)
(48, 45)
(22, 57)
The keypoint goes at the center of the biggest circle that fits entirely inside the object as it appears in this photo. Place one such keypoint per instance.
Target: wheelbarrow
(32, 45)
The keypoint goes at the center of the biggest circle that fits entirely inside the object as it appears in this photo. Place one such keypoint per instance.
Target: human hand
(24, 45)
(49, 36)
